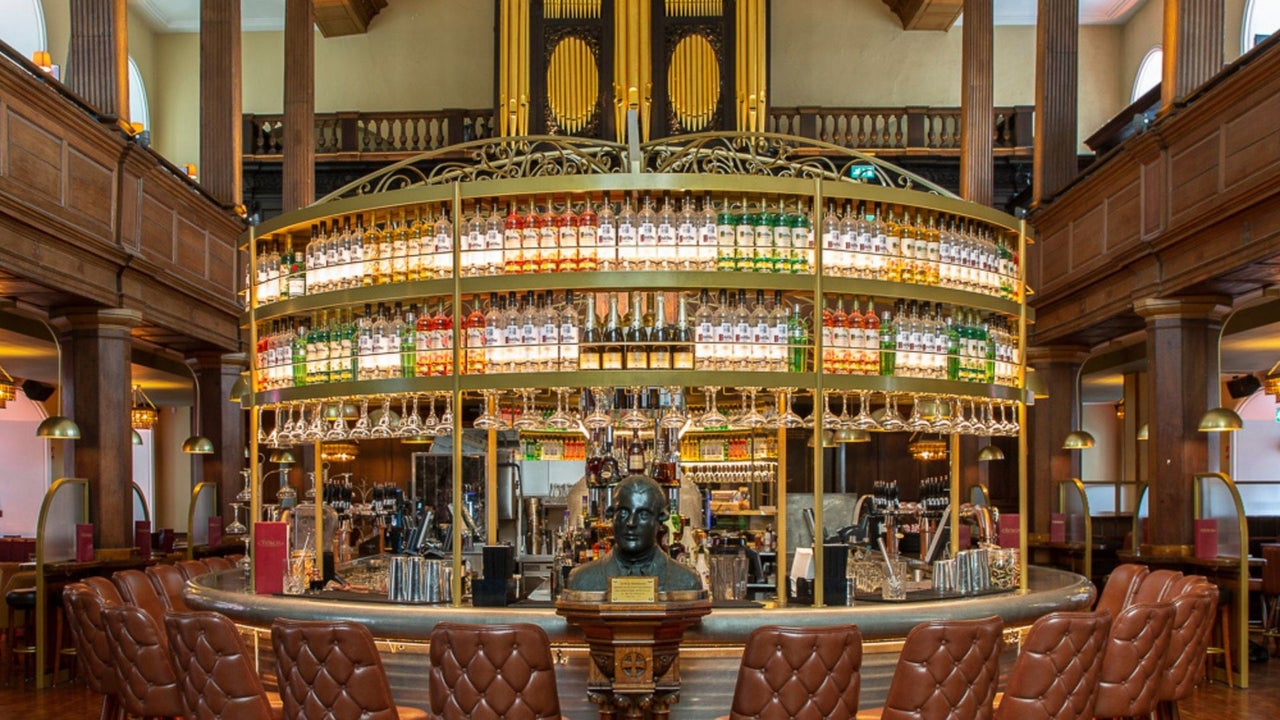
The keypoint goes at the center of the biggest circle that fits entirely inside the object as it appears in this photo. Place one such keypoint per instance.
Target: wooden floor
(72, 701)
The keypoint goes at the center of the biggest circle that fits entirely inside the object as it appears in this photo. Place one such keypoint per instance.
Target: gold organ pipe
(524, 67)
(645, 69)
(762, 65)
(620, 71)
(740, 67)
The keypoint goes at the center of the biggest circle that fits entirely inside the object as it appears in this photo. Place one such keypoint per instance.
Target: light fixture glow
(989, 453)
(1144, 432)
(1078, 440)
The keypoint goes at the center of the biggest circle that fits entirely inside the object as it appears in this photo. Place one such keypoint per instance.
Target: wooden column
(1192, 47)
(1182, 365)
(220, 121)
(1057, 42)
(223, 423)
(299, 105)
(977, 104)
(1050, 419)
(98, 58)
(99, 374)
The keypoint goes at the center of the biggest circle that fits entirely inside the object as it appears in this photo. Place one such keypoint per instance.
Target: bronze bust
(639, 511)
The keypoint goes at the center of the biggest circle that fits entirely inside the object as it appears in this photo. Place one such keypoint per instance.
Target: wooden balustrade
(397, 135)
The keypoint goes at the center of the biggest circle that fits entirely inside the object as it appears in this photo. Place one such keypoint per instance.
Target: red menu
(1057, 528)
(270, 557)
(1008, 530)
(215, 530)
(1206, 539)
(84, 542)
(142, 538)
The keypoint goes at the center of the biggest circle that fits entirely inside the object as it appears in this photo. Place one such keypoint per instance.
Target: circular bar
(709, 655)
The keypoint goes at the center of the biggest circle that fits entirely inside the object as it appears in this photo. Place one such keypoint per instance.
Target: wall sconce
(8, 388)
(143, 415)
(1078, 440)
(197, 444)
(1120, 410)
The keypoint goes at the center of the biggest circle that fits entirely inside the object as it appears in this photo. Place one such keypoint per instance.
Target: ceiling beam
(345, 17)
(926, 14)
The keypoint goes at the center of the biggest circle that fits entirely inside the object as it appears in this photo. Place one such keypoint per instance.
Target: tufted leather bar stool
(799, 673)
(193, 568)
(1122, 583)
(20, 603)
(947, 670)
(485, 672)
(1157, 586)
(137, 589)
(216, 563)
(1195, 601)
(1056, 674)
(332, 671)
(1134, 661)
(169, 581)
(218, 679)
(1270, 591)
(145, 676)
(84, 607)
(104, 588)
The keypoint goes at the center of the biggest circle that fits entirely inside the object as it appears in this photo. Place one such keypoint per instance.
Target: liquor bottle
(414, 269)
(567, 228)
(422, 343)
(668, 251)
(744, 240)
(798, 337)
(705, 228)
(588, 239)
(778, 334)
(722, 350)
(548, 334)
(840, 338)
(782, 259)
(495, 349)
(476, 361)
(828, 340)
(647, 236)
(473, 242)
(892, 250)
(399, 250)
(378, 253)
(704, 334)
(549, 241)
(611, 355)
(635, 455)
(338, 358)
(493, 242)
(856, 329)
(801, 223)
(530, 258)
(297, 276)
(628, 254)
(385, 345)
(512, 232)
(953, 350)
(408, 329)
(871, 338)
(741, 350)
(395, 330)
(512, 335)
(590, 347)
(834, 258)
(298, 355)
(637, 353)
(888, 346)
(607, 237)
(570, 342)
(442, 361)
(763, 252)
(308, 253)
(687, 236)
(442, 258)
(759, 334)
(661, 335)
(530, 334)
(682, 340)
(726, 238)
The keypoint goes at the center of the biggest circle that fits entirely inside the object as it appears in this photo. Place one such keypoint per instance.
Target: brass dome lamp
(989, 453)
(57, 427)
(1221, 419)
(1078, 440)
(197, 444)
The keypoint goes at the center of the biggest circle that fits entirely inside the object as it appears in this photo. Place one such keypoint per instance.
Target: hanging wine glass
(244, 496)
(751, 417)
(891, 421)
(412, 425)
(917, 421)
(262, 432)
(844, 422)
(246, 493)
(963, 425)
(382, 429)
(712, 417)
(315, 430)
(830, 421)
(634, 419)
(362, 426)
(273, 438)
(338, 430)
(599, 417)
(560, 420)
(446, 418)
(287, 433)
(789, 418)
(528, 419)
(286, 491)
(430, 422)
(675, 417)
(1009, 427)
(863, 420)
(488, 418)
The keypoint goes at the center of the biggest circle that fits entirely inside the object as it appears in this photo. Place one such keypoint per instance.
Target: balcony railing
(397, 135)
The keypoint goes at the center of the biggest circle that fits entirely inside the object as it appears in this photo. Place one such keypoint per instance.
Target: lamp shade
(57, 427)
(851, 435)
(239, 388)
(1035, 383)
(137, 438)
(1077, 440)
(989, 453)
(281, 457)
(1220, 419)
(197, 445)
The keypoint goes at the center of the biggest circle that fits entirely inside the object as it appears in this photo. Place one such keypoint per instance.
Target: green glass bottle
(798, 337)
(888, 346)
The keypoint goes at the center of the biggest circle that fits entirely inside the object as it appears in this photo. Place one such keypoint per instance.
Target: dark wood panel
(90, 192)
(35, 160)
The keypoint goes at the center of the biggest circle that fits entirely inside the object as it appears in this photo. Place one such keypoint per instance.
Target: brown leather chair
(169, 581)
(799, 673)
(1134, 661)
(1195, 602)
(1270, 591)
(492, 671)
(1157, 586)
(105, 589)
(218, 679)
(216, 564)
(1056, 674)
(193, 568)
(137, 589)
(1122, 583)
(145, 676)
(947, 670)
(332, 671)
(84, 608)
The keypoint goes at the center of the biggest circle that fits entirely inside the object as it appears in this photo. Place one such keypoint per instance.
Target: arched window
(1150, 70)
(139, 110)
(23, 26)
(1261, 19)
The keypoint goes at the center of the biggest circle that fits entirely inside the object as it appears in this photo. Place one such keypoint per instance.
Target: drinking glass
(599, 417)
(411, 424)
(560, 420)
(527, 420)
(446, 418)
(712, 417)
(863, 420)
(634, 419)
(674, 417)
(382, 429)
(751, 418)
(789, 418)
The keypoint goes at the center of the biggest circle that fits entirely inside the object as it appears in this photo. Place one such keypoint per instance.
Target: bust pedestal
(635, 649)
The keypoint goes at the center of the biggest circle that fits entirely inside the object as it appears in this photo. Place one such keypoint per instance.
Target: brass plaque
(633, 590)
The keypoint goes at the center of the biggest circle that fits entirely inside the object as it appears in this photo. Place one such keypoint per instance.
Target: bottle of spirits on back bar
(660, 336)
(637, 353)
(682, 347)
(589, 352)
(611, 355)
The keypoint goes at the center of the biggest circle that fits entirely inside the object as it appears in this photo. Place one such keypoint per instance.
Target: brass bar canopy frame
(60, 487)
(1239, 599)
(1074, 485)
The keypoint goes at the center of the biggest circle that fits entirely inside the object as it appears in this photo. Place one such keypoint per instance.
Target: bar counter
(708, 659)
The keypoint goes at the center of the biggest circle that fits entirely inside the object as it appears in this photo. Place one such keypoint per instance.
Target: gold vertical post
(319, 503)
(954, 536)
(780, 557)
(456, 529)
(644, 73)
(491, 480)
(1022, 404)
(819, 452)
(255, 472)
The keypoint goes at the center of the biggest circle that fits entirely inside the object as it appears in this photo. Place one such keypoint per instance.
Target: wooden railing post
(348, 128)
(1024, 125)
(915, 135)
(454, 120)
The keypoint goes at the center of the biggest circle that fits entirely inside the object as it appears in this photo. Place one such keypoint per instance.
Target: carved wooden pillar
(220, 121)
(101, 379)
(1057, 42)
(1192, 47)
(977, 104)
(223, 423)
(1050, 420)
(299, 105)
(98, 58)
(1182, 366)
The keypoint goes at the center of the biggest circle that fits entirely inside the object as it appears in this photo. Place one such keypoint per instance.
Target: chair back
(799, 673)
(218, 679)
(330, 671)
(137, 589)
(169, 581)
(216, 563)
(1134, 661)
(1156, 587)
(193, 568)
(84, 608)
(1122, 583)
(1194, 610)
(1056, 673)
(487, 672)
(947, 670)
(147, 683)
(104, 588)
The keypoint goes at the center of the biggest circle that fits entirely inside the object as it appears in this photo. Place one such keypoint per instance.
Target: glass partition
(140, 509)
(1073, 503)
(1140, 515)
(66, 504)
(204, 505)
(1220, 520)
(979, 495)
